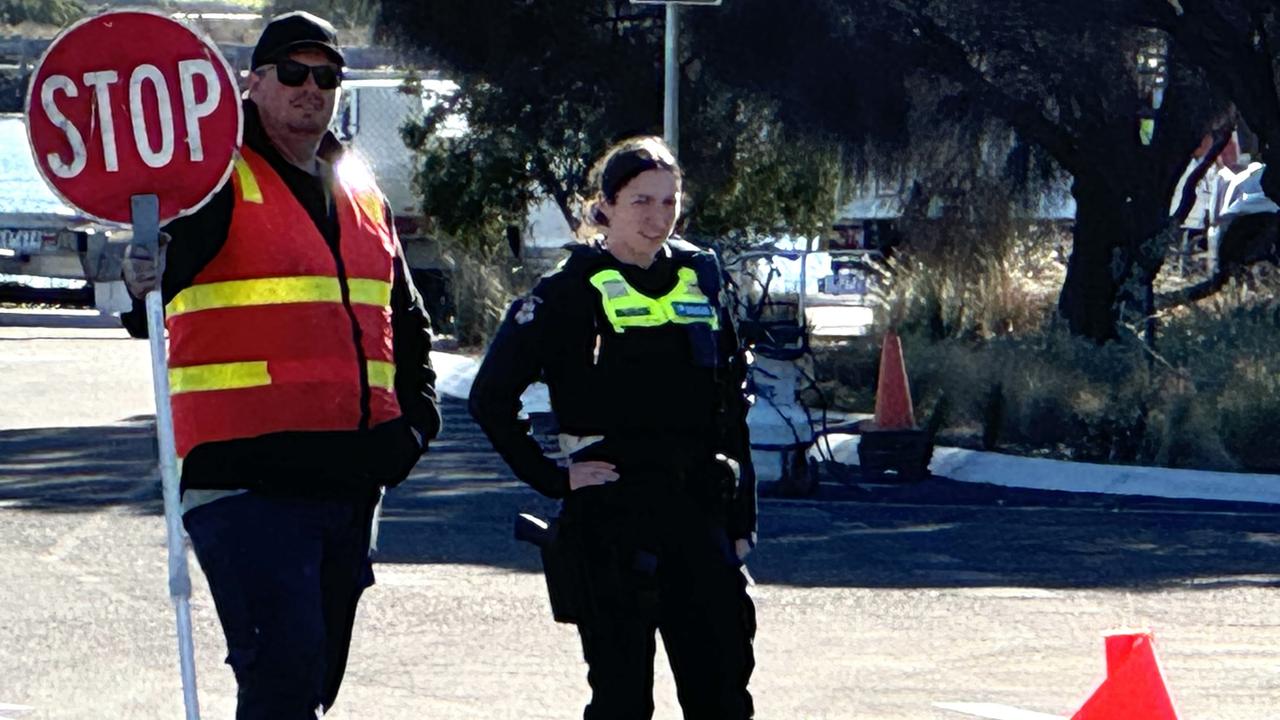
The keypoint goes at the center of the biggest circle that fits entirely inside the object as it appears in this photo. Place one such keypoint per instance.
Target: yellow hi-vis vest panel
(627, 307)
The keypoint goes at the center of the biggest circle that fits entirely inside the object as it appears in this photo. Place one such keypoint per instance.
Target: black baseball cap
(294, 31)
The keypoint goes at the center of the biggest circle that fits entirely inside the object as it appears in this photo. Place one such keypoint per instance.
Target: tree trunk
(1088, 296)
(1110, 268)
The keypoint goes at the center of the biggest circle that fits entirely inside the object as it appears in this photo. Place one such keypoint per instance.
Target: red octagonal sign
(133, 103)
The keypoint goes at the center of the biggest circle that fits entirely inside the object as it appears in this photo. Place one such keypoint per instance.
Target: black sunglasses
(294, 74)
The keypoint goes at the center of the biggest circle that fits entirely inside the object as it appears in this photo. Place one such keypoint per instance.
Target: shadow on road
(62, 319)
(458, 505)
(81, 469)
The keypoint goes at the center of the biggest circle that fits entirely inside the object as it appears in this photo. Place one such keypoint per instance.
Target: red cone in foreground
(893, 394)
(1134, 688)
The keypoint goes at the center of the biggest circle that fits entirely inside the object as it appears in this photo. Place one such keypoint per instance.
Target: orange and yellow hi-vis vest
(264, 339)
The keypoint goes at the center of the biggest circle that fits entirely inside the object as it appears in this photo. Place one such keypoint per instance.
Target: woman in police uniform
(645, 378)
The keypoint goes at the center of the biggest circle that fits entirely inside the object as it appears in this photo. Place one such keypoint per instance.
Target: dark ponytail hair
(621, 163)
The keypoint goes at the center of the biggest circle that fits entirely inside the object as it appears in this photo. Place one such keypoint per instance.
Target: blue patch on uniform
(699, 310)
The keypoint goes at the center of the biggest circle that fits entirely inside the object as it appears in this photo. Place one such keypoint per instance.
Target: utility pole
(671, 56)
(671, 92)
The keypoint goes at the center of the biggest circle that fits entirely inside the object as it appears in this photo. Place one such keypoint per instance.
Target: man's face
(304, 110)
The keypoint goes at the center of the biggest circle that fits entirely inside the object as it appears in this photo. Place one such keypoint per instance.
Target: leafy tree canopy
(1074, 82)
(1117, 93)
(545, 87)
(342, 13)
(43, 12)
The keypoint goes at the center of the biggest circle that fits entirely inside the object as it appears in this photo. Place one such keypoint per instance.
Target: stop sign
(133, 103)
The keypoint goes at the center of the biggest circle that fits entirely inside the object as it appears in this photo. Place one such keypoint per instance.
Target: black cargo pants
(286, 575)
(674, 572)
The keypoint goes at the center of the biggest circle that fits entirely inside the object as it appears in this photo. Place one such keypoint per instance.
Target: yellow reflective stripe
(690, 296)
(265, 291)
(254, 373)
(623, 306)
(249, 190)
(370, 292)
(218, 376)
(372, 204)
(276, 291)
(382, 375)
(626, 307)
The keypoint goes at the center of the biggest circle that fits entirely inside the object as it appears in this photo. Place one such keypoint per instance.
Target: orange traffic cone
(1134, 688)
(893, 395)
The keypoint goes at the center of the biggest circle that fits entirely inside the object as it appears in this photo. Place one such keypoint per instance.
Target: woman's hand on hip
(591, 472)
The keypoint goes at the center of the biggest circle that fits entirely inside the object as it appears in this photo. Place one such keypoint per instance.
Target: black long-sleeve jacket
(310, 463)
(655, 404)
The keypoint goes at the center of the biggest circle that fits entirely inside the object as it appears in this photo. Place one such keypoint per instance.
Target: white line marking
(995, 711)
(10, 707)
(825, 504)
(1008, 592)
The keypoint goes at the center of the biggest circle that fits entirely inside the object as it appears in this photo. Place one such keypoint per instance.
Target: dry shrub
(1046, 393)
(1229, 353)
(1209, 399)
(976, 275)
(482, 287)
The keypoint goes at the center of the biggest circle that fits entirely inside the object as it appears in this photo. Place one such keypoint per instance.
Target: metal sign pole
(67, 108)
(671, 96)
(146, 231)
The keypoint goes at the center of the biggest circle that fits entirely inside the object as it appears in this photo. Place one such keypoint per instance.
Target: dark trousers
(687, 585)
(286, 575)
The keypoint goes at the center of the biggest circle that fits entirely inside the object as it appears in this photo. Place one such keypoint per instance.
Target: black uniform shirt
(651, 390)
(640, 390)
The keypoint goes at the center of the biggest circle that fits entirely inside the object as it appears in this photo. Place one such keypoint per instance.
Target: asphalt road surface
(868, 607)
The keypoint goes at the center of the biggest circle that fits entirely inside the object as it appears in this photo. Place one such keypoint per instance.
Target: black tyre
(135, 320)
(799, 475)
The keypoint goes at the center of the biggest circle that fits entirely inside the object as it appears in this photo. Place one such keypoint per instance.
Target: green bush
(1246, 420)
(41, 12)
(1230, 355)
